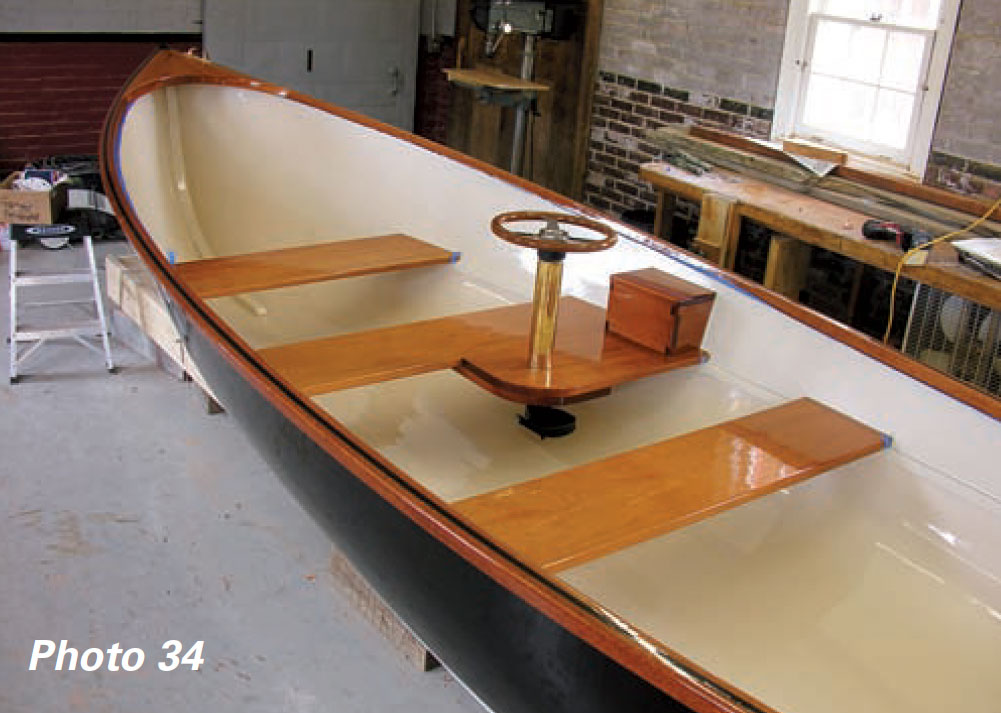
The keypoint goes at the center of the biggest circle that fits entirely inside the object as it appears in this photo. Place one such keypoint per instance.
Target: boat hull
(510, 655)
(679, 618)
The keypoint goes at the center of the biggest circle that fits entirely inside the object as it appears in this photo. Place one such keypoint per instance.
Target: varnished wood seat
(490, 347)
(287, 267)
(576, 515)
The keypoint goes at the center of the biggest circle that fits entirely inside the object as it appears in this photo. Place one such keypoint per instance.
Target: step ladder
(22, 333)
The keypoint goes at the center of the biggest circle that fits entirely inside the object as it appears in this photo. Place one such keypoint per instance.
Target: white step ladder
(78, 330)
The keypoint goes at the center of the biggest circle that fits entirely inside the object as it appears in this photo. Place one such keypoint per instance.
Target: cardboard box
(658, 311)
(30, 207)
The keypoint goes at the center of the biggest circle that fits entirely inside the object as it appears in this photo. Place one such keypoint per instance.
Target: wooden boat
(729, 528)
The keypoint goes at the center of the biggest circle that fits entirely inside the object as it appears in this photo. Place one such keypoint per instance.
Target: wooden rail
(287, 267)
(577, 515)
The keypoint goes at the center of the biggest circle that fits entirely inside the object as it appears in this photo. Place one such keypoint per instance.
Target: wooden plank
(784, 172)
(713, 238)
(367, 602)
(663, 222)
(812, 150)
(585, 96)
(489, 347)
(492, 79)
(788, 261)
(577, 515)
(587, 361)
(897, 184)
(132, 290)
(251, 272)
(346, 361)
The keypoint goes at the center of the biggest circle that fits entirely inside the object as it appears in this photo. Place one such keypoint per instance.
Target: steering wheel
(553, 238)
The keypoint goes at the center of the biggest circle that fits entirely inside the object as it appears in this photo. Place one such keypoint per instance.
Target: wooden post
(788, 261)
(714, 238)
(370, 606)
(664, 217)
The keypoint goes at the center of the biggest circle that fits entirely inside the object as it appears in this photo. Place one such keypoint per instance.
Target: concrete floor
(130, 515)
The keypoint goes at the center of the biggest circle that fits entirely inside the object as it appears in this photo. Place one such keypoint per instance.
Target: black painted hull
(509, 654)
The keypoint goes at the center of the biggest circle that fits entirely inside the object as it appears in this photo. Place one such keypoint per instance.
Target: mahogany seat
(577, 515)
(490, 347)
(287, 267)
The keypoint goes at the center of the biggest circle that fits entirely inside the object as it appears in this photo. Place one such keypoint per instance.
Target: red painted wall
(54, 93)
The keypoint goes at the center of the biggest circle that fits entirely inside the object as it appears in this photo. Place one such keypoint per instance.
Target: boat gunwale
(645, 656)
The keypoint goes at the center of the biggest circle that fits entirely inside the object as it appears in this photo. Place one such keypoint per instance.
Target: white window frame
(792, 83)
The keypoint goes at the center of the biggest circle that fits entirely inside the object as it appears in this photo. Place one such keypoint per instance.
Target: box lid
(675, 288)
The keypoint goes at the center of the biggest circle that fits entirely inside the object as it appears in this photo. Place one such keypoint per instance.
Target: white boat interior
(874, 586)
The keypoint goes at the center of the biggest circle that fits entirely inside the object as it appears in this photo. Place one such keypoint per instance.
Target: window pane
(839, 106)
(910, 13)
(855, 9)
(848, 51)
(892, 120)
(902, 66)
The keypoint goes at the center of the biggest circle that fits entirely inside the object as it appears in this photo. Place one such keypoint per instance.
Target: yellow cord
(907, 255)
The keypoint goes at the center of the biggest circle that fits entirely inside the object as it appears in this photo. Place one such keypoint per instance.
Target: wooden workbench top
(825, 225)
(491, 79)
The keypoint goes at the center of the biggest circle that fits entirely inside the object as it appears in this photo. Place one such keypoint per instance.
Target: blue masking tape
(455, 258)
(171, 257)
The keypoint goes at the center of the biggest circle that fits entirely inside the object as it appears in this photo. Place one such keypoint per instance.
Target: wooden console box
(658, 311)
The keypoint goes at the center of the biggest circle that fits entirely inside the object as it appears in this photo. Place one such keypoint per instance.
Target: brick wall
(716, 62)
(54, 93)
(433, 92)
(716, 50)
(625, 109)
(687, 61)
(723, 48)
(966, 150)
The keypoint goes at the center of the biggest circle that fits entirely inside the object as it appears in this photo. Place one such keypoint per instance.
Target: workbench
(799, 221)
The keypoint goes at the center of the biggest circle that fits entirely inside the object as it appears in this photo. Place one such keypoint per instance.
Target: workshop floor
(129, 515)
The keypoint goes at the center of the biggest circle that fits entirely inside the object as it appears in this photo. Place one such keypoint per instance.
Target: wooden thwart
(490, 347)
(252, 272)
(577, 515)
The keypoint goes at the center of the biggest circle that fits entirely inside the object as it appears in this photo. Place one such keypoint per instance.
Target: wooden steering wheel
(552, 238)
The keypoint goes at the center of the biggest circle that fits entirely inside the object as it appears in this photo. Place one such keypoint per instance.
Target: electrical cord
(927, 246)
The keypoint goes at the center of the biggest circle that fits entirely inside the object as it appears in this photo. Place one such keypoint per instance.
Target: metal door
(359, 54)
